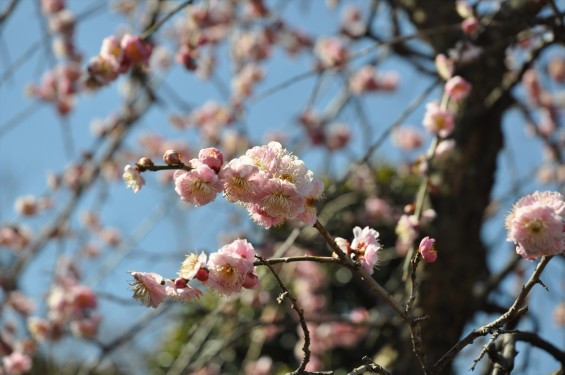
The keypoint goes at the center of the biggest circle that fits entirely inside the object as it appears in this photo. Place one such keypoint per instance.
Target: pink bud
(212, 157)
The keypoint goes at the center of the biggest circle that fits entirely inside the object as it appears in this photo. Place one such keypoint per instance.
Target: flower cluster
(273, 185)
(536, 225)
(117, 57)
(364, 247)
(227, 271)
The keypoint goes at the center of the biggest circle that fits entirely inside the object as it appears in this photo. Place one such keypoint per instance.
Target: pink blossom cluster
(117, 57)
(273, 185)
(71, 306)
(364, 247)
(227, 271)
(14, 236)
(270, 182)
(536, 224)
(59, 87)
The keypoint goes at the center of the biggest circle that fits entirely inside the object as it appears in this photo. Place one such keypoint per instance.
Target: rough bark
(465, 184)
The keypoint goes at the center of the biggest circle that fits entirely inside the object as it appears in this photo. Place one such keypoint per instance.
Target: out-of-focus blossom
(438, 121)
(331, 52)
(457, 88)
(26, 205)
(536, 225)
(86, 327)
(559, 314)
(367, 79)
(407, 138)
(406, 231)
(147, 288)
(444, 66)
(16, 363)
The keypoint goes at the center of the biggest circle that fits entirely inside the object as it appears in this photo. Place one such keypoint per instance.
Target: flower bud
(145, 162)
(172, 157)
(428, 250)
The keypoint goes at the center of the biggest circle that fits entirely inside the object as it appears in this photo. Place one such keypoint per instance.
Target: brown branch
(517, 309)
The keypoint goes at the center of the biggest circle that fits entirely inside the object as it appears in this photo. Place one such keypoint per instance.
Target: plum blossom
(148, 288)
(457, 88)
(428, 250)
(193, 265)
(241, 180)
(536, 225)
(178, 290)
(231, 268)
(437, 120)
(364, 247)
(133, 178)
(273, 185)
(198, 186)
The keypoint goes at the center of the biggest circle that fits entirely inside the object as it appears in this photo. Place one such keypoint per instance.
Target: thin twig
(294, 304)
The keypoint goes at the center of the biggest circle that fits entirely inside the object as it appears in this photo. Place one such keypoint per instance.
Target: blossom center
(535, 225)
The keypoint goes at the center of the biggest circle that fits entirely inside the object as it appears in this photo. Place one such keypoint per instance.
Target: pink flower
(111, 49)
(16, 363)
(365, 245)
(227, 273)
(310, 214)
(363, 248)
(147, 288)
(242, 181)
(191, 265)
(198, 186)
(135, 51)
(231, 268)
(457, 88)
(536, 225)
(281, 199)
(212, 157)
(133, 178)
(241, 248)
(428, 250)
(180, 291)
(437, 120)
